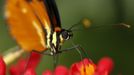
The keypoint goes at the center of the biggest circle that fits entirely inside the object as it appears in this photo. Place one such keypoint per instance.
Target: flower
(25, 64)
(60, 70)
(105, 66)
(87, 67)
(30, 71)
(84, 67)
(2, 67)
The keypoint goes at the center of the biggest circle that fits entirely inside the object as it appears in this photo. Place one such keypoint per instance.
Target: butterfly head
(66, 34)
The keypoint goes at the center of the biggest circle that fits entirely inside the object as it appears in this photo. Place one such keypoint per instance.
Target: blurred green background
(98, 42)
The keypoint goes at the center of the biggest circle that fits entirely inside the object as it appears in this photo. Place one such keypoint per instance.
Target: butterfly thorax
(57, 38)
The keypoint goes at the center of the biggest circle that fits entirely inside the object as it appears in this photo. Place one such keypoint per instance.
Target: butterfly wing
(25, 24)
(53, 13)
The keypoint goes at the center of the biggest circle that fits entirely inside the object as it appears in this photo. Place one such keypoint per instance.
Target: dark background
(115, 42)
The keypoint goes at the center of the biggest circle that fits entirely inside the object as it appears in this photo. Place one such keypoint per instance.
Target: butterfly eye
(66, 35)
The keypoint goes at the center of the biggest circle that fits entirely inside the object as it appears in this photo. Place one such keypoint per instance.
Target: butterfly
(35, 25)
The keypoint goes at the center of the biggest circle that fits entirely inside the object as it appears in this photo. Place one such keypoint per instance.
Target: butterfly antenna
(74, 26)
(85, 22)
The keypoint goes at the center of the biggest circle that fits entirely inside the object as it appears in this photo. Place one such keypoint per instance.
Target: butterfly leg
(79, 49)
(27, 63)
(45, 53)
(53, 54)
(55, 60)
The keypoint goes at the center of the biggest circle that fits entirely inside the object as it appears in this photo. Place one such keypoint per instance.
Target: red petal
(21, 65)
(105, 65)
(34, 60)
(24, 64)
(86, 61)
(61, 70)
(47, 72)
(78, 68)
(2, 66)
(30, 71)
(14, 70)
(74, 70)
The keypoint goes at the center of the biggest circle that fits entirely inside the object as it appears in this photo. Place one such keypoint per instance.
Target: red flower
(60, 70)
(30, 71)
(47, 72)
(2, 67)
(25, 65)
(85, 67)
(104, 66)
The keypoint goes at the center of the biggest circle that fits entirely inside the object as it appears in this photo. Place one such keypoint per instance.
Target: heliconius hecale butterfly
(35, 25)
